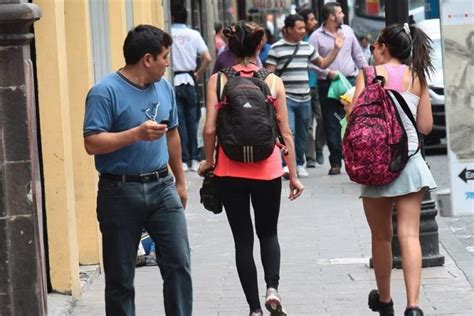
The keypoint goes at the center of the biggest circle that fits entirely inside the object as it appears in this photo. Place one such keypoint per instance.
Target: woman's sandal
(413, 311)
(384, 309)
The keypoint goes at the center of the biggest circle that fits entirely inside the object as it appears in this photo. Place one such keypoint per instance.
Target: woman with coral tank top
(242, 184)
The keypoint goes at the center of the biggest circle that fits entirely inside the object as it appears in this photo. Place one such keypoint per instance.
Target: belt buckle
(146, 177)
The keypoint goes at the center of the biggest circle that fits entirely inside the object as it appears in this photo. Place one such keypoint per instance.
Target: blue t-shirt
(115, 104)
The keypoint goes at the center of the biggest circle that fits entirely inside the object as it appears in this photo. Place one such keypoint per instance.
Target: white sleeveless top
(395, 73)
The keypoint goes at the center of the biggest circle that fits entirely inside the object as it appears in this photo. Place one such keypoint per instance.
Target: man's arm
(324, 62)
(175, 162)
(206, 60)
(314, 41)
(107, 142)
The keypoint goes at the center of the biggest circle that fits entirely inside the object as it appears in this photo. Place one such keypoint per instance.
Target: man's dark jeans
(315, 142)
(332, 126)
(186, 100)
(123, 210)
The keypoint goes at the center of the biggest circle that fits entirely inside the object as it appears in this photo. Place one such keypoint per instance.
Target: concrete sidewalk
(325, 245)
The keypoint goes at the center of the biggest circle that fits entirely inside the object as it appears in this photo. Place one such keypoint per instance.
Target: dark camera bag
(209, 194)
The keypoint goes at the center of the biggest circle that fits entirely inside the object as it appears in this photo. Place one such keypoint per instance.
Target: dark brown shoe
(334, 170)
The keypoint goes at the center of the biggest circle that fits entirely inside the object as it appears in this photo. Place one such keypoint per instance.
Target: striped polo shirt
(295, 78)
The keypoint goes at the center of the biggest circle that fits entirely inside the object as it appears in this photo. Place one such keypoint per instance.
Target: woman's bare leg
(378, 212)
(408, 228)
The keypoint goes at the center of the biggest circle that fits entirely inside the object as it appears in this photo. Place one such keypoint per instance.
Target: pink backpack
(375, 145)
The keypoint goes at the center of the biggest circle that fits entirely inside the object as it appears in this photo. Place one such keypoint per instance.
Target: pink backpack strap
(369, 74)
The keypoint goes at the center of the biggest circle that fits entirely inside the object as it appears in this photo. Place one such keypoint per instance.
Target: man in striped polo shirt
(295, 78)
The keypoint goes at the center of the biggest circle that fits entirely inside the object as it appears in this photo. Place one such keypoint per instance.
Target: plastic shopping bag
(339, 86)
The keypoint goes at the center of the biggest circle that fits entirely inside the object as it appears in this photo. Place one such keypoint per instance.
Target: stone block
(4, 257)
(14, 122)
(3, 210)
(10, 74)
(5, 304)
(24, 265)
(18, 197)
(26, 302)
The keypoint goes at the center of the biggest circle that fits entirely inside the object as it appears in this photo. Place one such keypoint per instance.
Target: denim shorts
(415, 176)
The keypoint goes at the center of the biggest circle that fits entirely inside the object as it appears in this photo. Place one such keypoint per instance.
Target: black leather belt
(144, 177)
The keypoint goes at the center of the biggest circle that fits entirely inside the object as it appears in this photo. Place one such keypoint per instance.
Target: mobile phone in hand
(166, 122)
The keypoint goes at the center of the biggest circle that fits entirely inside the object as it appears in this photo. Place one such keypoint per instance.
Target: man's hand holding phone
(151, 130)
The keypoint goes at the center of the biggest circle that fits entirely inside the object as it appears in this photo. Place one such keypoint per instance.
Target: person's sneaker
(334, 170)
(384, 309)
(301, 172)
(286, 173)
(319, 157)
(185, 167)
(273, 303)
(310, 163)
(195, 165)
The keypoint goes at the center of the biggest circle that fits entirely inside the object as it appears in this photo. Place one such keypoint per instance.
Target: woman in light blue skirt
(402, 56)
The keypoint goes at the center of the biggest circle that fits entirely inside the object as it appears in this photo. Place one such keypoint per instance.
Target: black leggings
(236, 194)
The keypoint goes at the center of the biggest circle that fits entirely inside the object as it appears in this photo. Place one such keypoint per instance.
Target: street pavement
(325, 246)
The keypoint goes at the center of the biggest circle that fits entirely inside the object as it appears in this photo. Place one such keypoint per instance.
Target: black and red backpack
(246, 127)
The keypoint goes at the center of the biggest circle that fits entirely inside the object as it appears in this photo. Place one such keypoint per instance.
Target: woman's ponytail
(421, 61)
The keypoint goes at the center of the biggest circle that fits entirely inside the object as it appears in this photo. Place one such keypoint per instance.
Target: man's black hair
(290, 20)
(305, 12)
(144, 39)
(328, 9)
(179, 13)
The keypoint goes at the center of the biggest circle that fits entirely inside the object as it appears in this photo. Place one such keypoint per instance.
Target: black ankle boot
(384, 309)
(413, 311)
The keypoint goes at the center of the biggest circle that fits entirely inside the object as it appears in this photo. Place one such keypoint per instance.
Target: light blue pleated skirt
(415, 176)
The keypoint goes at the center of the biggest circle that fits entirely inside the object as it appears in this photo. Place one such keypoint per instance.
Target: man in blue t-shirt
(130, 126)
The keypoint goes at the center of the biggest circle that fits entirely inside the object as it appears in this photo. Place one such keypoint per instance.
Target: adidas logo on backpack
(246, 127)
(375, 145)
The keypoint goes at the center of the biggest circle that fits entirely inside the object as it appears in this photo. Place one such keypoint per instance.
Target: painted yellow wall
(158, 14)
(53, 98)
(117, 31)
(80, 75)
(142, 12)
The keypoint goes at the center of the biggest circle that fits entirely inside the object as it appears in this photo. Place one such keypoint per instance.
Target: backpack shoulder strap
(227, 72)
(230, 72)
(403, 104)
(369, 74)
(262, 73)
